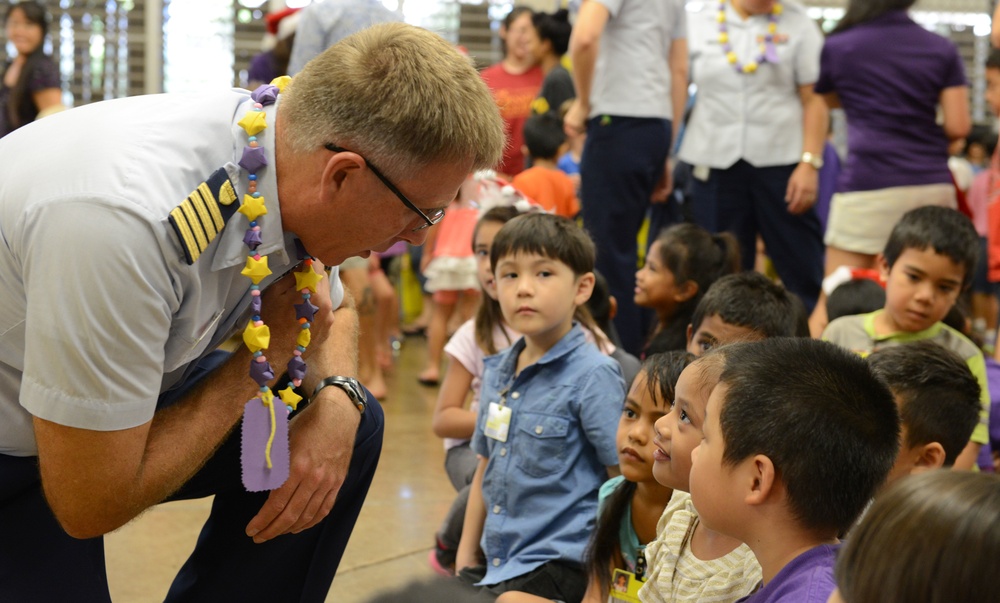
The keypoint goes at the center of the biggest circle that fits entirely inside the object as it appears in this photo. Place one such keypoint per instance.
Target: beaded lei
(768, 53)
(260, 471)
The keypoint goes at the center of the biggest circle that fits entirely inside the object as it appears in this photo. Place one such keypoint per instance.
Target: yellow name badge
(624, 587)
(498, 422)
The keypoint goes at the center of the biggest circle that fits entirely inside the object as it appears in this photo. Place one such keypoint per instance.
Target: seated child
(603, 306)
(856, 296)
(741, 307)
(686, 561)
(545, 432)
(797, 437)
(929, 538)
(544, 183)
(928, 261)
(631, 503)
(682, 263)
(938, 400)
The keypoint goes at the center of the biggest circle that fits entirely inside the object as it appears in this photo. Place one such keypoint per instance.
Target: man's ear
(762, 479)
(929, 456)
(337, 169)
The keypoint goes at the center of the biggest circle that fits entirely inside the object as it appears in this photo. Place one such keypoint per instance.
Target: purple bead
(305, 310)
(265, 94)
(255, 304)
(253, 158)
(252, 238)
(297, 368)
(261, 372)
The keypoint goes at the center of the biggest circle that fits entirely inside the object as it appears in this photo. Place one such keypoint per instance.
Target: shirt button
(539, 430)
(515, 395)
(496, 509)
(496, 562)
(503, 452)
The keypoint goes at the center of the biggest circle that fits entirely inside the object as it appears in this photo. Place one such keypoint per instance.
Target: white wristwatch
(814, 160)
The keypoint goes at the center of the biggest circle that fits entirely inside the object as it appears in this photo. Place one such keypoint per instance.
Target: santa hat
(280, 24)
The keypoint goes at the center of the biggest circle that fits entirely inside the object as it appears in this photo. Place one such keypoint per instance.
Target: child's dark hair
(913, 545)
(691, 254)
(751, 300)
(554, 237)
(543, 135)
(826, 422)
(938, 395)
(661, 373)
(489, 316)
(856, 296)
(945, 231)
(555, 28)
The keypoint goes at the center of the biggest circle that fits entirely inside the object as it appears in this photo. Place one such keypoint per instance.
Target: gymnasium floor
(408, 499)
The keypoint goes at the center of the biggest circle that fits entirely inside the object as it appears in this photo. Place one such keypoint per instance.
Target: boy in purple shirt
(798, 436)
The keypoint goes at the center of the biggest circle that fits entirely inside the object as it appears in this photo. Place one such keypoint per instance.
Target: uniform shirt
(540, 486)
(327, 22)
(889, 74)
(101, 311)
(806, 579)
(632, 75)
(752, 116)
(857, 333)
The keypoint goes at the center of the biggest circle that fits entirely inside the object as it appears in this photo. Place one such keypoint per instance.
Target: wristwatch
(814, 160)
(350, 385)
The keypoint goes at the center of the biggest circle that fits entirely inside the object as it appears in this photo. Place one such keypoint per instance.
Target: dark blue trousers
(622, 161)
(747, 201)
(39, 562)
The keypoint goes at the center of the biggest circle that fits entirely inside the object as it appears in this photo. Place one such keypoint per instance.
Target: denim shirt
(540, 486)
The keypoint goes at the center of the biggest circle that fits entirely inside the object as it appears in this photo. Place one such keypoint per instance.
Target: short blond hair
(399, 95)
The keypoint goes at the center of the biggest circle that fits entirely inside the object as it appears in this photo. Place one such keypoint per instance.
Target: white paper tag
(498, 422)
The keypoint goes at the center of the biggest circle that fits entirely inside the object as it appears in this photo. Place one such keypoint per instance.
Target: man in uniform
(128, 230)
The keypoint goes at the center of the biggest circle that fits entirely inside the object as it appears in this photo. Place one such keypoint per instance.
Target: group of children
(733, 465)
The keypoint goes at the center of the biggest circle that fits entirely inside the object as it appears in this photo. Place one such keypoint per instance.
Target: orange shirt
(552, 189)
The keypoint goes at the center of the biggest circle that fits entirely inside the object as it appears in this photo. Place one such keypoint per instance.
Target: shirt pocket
(542, 440)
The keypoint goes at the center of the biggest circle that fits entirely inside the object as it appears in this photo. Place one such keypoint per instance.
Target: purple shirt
(807, 579)
(889, 74)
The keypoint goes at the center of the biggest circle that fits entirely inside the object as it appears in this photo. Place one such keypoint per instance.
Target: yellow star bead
(731, 57)
(256, 338)
(305, 336)
(290, 398)
(281, 82)
(773, 27)
(307, 278)
(721, 17)
(750, 67)
(256, 270)
(267, 397)
(253, 207)
(253, 122)
(723, 38)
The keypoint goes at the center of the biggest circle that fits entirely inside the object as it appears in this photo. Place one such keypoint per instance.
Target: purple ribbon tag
(771, 53)
(256, 431)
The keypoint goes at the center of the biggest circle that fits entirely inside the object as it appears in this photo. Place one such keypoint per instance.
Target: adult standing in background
(756, 134)
(630, 63)
(322, 24)
(30, 86)
(515, 82)
(897, 153)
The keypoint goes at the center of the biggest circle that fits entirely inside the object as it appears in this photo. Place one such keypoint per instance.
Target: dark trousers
(622, 161)
(747, 201)
(40, 562)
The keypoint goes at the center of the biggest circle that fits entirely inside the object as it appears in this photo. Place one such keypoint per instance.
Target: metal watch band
(350, 385)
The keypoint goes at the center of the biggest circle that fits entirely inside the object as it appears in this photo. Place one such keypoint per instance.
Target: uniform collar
(232, 252)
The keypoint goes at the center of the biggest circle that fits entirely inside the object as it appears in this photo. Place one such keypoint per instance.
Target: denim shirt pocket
(542, 443)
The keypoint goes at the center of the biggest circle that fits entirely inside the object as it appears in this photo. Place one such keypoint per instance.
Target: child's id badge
(624, 587)
(498, 422)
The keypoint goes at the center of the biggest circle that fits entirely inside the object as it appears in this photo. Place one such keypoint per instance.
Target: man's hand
(321, 441)
(802, 187)
(575, 122)
(665, 185)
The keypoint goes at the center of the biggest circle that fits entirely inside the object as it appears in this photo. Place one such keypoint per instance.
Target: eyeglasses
(429, 220)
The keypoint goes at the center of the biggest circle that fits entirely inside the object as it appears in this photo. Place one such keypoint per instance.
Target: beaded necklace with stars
(767, 53)
(265, 431)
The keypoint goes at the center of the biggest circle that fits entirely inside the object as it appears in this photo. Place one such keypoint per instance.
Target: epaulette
(201, 217)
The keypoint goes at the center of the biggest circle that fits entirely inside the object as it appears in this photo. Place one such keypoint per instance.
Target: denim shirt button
(539, 429)
(496, 562)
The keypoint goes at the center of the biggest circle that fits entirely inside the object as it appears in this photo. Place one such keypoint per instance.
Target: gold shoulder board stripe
(202, 216)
